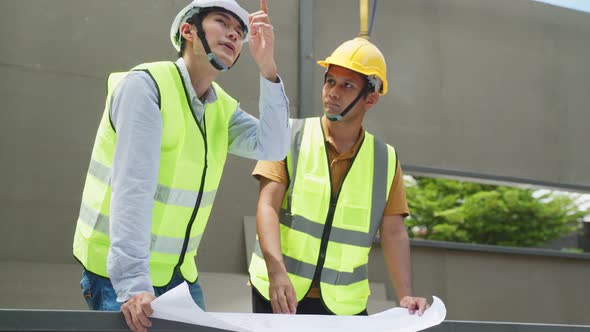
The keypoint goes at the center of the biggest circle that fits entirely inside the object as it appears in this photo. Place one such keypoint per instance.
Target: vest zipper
(329, 219)
(324, 243)
(199, 196)
(331, 210)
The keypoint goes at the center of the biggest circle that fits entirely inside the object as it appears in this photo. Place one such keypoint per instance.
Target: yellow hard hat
(361, 56)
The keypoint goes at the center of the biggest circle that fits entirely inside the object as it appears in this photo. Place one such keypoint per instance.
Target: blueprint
(178, 305)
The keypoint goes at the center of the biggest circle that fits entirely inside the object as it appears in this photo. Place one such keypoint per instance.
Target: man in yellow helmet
(319, 210)
(159, 154)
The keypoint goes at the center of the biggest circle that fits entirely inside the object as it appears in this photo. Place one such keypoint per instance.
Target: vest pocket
(354, 217)
(309, 197)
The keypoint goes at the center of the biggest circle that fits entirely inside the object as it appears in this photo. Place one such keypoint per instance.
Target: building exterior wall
(491, 87)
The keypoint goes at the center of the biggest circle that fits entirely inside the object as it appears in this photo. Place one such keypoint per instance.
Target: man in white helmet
(159, 155)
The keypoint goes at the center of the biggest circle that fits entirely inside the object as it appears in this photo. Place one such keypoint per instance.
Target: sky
(582, 200)
(579, 5)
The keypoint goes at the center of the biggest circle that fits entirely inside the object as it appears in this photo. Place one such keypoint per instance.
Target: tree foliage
(449, 210)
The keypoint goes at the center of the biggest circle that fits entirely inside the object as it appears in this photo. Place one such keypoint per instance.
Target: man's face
(224, 35)
(341, 87)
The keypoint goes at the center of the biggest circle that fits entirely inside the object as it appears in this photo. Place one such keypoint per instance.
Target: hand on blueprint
(282, 293)
(178, 305)
(414, 303)
(137, 310)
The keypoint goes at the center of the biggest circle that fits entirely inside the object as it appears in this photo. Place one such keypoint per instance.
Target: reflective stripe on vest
(159, 243)
(343, 279)
(189, 175)
(164, 194)
(306, 270)
(297, 130)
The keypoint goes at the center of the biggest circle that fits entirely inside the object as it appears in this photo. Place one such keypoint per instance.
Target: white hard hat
(195, 6)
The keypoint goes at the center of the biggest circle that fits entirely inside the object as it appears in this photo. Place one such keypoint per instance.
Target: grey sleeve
(267, 138)
(135, 114)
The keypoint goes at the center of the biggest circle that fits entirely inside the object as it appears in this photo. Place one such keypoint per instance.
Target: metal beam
(82, 321)
(87, 321)
(479, 326)
(306, 59)
(491, 179)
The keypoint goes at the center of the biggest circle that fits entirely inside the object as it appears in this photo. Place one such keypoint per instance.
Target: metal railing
(90, 321)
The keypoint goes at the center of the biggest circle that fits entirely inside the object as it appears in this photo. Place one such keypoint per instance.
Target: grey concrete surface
(487, 283)
(482, 285)
(491, 87)
(54, 60)
(475, 285)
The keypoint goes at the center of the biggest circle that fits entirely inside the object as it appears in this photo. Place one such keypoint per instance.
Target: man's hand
(282, 294)
(137, 310)
(414, 303)
(261, 40)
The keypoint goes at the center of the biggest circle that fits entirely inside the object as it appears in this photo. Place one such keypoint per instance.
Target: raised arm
(261, 40)
(267, 139)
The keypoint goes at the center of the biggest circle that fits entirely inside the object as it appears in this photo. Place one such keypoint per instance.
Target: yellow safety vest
(327, 237)
(191, 164)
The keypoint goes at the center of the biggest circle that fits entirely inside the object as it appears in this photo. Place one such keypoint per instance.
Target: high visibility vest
(326, 237)
(191, 163)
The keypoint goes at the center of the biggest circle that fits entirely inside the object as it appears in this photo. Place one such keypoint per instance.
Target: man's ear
(185, 31)
(372, 99)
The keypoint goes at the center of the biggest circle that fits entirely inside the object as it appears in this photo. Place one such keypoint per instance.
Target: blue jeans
(100, 295)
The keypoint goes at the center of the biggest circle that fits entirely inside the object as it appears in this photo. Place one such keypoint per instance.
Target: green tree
(449, 210)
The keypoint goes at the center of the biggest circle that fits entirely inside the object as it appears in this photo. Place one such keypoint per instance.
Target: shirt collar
(328, 138)
(210, 95)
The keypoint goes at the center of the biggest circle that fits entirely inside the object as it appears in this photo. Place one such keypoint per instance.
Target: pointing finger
(263, 6)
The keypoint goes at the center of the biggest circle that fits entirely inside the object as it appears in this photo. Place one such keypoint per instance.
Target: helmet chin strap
(213, 59)
(339, 117)
(367, 88)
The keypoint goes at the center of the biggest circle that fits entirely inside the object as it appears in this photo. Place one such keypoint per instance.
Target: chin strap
(196, 19)
(339, 117)
(369, 87)
(213, 59)
(215, 62)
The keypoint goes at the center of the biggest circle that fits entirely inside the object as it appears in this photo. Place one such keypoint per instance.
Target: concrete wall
(54, 58)
(476, 283)
(498, 88)
(487, 283)
(494, 87)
